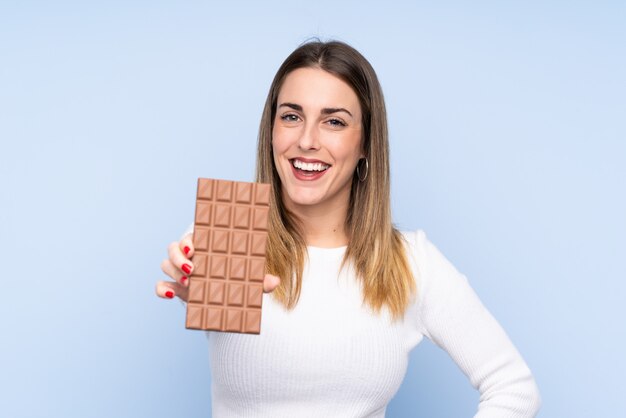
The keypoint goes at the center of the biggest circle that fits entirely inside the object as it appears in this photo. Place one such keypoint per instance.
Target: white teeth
(309, 166)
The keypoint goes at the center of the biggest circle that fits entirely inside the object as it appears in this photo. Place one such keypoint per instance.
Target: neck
(322, 225)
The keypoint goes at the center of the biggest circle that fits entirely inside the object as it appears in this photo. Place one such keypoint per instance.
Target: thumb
(270, 282)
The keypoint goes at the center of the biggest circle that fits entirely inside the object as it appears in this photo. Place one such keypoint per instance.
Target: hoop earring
(367, 170)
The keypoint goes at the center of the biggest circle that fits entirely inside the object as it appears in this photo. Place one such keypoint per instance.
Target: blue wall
(508, 148)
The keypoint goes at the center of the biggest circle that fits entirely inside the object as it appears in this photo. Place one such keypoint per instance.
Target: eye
(336, 122)
(290, 117)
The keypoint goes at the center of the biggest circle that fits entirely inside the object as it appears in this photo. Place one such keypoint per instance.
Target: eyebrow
(325, 111)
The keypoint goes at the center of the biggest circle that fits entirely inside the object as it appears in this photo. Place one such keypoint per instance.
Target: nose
(309, 138)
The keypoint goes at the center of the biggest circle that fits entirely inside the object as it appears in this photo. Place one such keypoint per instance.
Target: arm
(453, 317)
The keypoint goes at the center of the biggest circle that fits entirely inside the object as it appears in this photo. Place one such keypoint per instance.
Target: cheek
(350, 148)
(282, 140)
(279, 147)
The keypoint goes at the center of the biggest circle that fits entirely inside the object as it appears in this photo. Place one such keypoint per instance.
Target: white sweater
(333, 357)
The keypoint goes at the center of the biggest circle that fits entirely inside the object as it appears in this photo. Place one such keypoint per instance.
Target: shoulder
(436, 277)
(421, 250)
(413, 238)
(424, 250)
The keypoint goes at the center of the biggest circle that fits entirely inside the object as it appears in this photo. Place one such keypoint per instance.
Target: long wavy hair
(376, 249)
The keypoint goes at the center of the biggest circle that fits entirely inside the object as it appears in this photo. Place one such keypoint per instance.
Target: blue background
(508, 138)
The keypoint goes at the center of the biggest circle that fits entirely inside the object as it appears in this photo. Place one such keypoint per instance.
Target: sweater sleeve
(453, 317)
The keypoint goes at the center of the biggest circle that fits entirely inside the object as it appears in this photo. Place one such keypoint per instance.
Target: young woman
(350, 295)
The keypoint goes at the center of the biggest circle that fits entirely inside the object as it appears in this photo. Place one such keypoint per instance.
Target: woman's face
(316, 139)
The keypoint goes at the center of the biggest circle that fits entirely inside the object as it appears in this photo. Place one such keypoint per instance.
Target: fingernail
(187, 268)
(186, 250)
(183, 279)
(169, 294)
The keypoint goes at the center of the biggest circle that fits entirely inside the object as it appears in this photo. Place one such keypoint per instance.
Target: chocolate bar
(229, 237)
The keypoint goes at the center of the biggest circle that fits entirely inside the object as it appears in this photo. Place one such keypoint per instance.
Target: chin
(303, 199)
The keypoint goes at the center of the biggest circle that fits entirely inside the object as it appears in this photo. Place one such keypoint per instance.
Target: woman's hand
(178, 267)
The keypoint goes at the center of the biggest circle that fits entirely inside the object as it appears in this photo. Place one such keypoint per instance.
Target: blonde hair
(375, 248)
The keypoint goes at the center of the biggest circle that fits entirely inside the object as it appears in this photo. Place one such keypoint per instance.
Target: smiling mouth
(308, 167)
